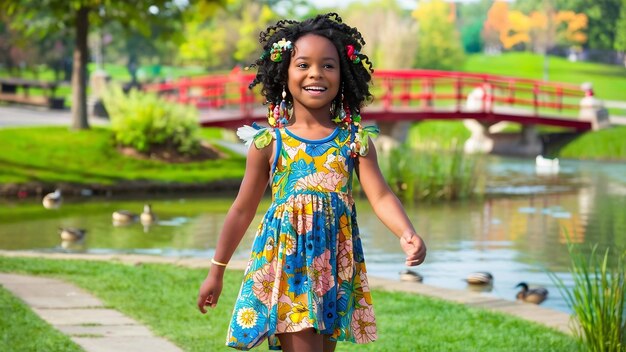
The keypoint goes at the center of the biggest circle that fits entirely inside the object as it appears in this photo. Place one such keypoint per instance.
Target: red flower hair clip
(353, 54)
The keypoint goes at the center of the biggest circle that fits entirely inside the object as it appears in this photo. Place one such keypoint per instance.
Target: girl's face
(313, 75)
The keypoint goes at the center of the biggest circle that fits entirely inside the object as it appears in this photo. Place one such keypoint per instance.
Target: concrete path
(16, 116)
(117, 329)
(83, 317)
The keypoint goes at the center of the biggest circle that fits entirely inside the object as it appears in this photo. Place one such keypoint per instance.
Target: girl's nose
(315, 72)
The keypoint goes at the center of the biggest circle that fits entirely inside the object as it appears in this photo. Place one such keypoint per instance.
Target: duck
(147, 217)
(535, 295)
(481, 278)
(545, 166)
(52, 200)
(123, 217)
(410, 275)
(71, 234)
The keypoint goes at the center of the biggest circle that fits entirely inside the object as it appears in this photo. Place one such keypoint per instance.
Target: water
(518, 233)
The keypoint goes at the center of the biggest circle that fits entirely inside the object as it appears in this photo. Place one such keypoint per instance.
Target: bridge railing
(425, 90)
(429, 90)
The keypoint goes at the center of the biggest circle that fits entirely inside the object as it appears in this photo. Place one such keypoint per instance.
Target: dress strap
(279, 147)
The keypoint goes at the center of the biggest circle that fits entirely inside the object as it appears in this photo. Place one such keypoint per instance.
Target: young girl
(305, 287)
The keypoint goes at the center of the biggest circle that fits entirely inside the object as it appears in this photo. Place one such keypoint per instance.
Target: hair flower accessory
(278, 48)
(353, 54)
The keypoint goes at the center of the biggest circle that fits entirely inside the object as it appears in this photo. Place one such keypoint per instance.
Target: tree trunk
(79, 74)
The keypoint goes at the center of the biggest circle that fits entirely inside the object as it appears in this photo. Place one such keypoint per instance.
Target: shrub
(144, 121)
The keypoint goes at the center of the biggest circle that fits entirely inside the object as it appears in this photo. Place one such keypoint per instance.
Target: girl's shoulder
(259, 135)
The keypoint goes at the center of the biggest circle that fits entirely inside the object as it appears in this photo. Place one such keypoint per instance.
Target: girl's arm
(237, 221)
(388, 207)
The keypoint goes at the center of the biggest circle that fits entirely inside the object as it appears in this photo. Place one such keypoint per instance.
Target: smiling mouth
(315, 89)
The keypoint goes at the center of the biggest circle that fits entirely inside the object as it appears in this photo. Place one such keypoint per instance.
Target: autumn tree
(439, 46)
(48, 16)
(496, 26)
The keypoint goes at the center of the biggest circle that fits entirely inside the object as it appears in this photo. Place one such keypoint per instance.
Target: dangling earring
(281, 111)
(278, 114)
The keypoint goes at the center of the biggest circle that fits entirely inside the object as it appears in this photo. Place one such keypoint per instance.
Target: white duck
(147, 217)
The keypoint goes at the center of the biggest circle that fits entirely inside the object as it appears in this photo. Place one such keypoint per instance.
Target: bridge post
(592, 109)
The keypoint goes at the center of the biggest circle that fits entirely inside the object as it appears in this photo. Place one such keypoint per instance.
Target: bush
(144, 121)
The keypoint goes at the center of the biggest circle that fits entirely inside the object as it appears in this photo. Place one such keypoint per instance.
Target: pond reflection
(515, 234)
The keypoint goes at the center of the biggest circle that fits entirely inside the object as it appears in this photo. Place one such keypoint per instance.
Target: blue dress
(306, 269)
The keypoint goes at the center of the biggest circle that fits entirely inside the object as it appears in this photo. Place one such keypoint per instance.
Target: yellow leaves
(519, 25)
(540, 28)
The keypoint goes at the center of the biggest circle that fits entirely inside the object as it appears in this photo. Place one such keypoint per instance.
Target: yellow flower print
(298, 312)
(247, 317)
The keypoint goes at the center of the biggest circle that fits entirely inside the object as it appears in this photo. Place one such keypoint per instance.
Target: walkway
(16, 115)
(97, 329)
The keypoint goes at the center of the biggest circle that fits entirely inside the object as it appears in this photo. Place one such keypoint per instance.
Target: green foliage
(598, 299)
(620, 38)
(23, 330)
(137, 289)
(145, 121)
(439, 46)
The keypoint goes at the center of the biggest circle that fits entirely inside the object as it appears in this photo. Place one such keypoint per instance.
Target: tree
(390, 34)
(620, 38)
(47, 16)
(228, 38)
(496, 26)
(439, 46)
(472, 17)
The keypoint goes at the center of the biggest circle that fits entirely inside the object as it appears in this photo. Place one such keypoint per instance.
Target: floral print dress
(306, 269)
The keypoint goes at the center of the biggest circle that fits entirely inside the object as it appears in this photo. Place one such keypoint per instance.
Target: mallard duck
(72, 234)
(535, 295)
(123, 217)
(147, 217)
(410, 275)
(52, 200)
(480, 278)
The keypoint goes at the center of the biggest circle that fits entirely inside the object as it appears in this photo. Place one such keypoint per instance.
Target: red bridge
(406, 95)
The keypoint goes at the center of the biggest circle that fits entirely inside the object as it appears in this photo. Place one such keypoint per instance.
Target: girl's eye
(329, 66)
(301, 65)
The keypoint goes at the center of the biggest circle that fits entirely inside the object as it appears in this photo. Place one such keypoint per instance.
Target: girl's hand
(414, 247)
(210, 291)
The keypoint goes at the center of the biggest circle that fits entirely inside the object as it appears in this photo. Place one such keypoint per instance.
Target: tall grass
(433, 173)
(598, 299)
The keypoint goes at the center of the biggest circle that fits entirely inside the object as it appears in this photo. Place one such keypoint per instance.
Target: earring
(278, 114)
(281, 111)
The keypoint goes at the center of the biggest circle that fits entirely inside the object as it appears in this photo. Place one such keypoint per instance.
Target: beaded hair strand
(355, 77)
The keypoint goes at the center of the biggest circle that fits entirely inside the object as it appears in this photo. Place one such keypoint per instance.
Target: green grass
(23, 330)
(598, 298)
(609, 81)
(608, 144)
(163, 297)
(56, 154)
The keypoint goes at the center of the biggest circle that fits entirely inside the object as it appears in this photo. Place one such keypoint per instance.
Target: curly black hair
(355, 77)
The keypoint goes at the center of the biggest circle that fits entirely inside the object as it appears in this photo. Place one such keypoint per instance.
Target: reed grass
(433, 173)
(598, 299)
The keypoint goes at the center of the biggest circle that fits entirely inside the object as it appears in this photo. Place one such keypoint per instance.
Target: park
(502, 131)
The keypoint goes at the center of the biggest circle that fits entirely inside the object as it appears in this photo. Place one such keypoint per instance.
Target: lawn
(163, 297)
(56, 154)
(609, 81)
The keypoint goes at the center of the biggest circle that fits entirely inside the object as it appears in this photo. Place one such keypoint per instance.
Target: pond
(518, 233)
